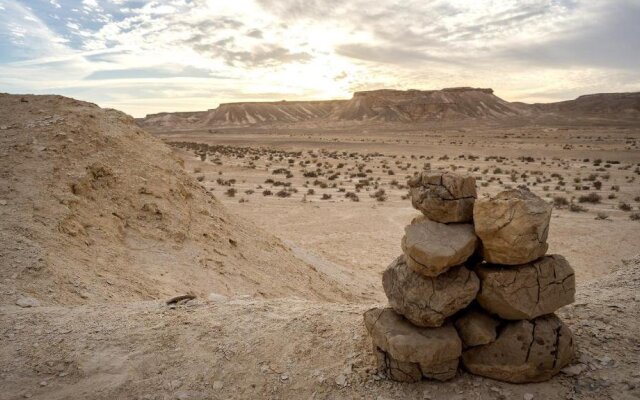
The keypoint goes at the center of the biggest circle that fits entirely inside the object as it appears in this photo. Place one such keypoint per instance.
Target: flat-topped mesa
(406, 352)
(443, 196)
(513, 226)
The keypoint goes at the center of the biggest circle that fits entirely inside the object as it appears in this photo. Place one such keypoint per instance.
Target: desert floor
(361, 238)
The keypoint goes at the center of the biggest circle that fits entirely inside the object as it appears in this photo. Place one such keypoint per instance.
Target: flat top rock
(408, 343)
(438, 246)
(443, 196)
(513, 226)
(456, 186)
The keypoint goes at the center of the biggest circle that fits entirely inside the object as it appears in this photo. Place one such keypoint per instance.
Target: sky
(144, 56)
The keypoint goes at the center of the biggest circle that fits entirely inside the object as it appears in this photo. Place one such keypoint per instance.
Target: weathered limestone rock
(426, 301)
(526, 291)
(431, 247)
(396, 370)
(434, 350)
(476, 328)
(525, 351)
(443, 196)
(513, 226)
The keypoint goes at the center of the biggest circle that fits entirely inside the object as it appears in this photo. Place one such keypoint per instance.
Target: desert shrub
(624, 206)
(601, 216)
(352, 196)
(231, 192)
(597, 185)
(559, 201)
(267, 193)
(634, 216)
(576, 208)
(200, 178)
(311, 191)
(590, 198)
(283, 193)
(380, 195)
(325, 196)
(249, 191)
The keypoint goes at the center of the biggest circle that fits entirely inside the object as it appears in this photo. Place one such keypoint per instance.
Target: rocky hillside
(94, 209)
(601, 104)
(400, 106)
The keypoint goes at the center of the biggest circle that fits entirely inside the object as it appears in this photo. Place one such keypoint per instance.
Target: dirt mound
(94, 209)
(237, 349)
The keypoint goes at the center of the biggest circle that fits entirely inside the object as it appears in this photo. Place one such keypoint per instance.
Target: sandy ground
(283, 349)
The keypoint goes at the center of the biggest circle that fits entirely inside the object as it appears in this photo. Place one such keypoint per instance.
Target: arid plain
(564, 164)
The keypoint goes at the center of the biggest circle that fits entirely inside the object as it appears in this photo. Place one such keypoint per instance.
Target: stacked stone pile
(473, 285)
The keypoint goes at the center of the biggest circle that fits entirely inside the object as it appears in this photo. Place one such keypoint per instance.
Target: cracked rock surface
(432, 247)
(513, 226)
(443, 196)
(524, 351)
(476, 328)
(435, 350)
(426, 301)
(526, 291)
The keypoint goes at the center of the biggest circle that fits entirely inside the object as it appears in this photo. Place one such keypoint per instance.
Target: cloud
(163, 71)
(176, 54)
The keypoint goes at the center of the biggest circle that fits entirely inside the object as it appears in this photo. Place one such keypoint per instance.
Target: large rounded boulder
(524, 351)
(513, 226)
(427, 302)
(526, 291)
(402, 348)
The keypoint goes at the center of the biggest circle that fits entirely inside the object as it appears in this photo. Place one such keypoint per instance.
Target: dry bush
(590, 198)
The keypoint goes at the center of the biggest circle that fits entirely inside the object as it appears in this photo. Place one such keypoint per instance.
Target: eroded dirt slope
(94, 209)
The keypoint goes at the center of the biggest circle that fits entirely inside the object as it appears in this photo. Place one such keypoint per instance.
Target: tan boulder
(435, 350)
(397, 370)
(526, 291)
(513, 226)
(524, 351)
(431, 247)
(427, 302)
(443, 196)
(476, 328)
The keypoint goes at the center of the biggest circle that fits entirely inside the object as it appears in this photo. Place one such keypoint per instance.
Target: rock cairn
(473, 285)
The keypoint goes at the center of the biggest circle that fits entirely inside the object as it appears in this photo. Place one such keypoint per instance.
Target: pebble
(3, 202)
(341, 380)
(217, 385)
(528, 396)
(26, 302)
(574, 370)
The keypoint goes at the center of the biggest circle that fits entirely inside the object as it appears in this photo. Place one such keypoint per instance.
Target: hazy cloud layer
(147, 56)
